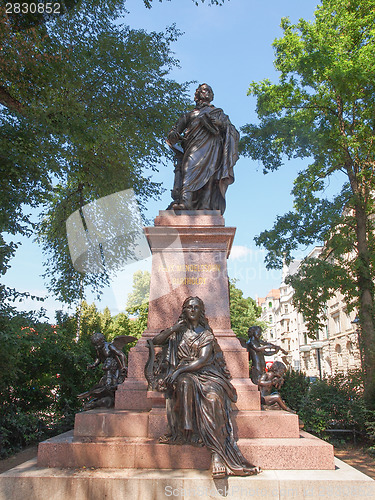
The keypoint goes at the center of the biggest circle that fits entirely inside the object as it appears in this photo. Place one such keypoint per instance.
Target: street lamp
(318, 344)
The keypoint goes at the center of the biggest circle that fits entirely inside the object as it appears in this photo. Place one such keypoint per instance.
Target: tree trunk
(9, 102)
(366, 304)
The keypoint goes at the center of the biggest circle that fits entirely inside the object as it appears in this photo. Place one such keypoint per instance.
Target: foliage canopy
(86, 103)
(244, 312)
(323, 109)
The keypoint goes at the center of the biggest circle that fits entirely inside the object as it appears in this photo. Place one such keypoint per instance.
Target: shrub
(42, 370)
(294, 390)
(335, 402)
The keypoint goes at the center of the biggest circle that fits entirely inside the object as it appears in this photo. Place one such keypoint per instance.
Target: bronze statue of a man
(204, 166)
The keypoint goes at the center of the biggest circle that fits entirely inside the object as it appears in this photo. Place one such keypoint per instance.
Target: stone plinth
(145, 453)
(189, 258)
(153, 424)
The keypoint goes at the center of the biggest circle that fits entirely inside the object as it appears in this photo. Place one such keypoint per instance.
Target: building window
(328, 365)
(286, 309)
(269, 304)
(306, 360)
(336, 320)
(349, 348)
(270, 318)
(339, 355)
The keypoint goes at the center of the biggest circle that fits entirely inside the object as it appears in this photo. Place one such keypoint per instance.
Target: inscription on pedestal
(191, 274)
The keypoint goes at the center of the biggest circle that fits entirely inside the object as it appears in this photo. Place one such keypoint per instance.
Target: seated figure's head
(186, 311)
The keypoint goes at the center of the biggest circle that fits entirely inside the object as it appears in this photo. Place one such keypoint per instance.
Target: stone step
(307, 452)
(132, 394)
(29, 481)
(126, 423)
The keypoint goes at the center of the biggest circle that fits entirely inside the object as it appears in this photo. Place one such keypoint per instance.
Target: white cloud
(243, 253)
(239, 252)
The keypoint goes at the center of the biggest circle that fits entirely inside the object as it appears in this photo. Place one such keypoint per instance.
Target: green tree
(105, 320)
(119, 325)
(141, 289)
(90, 319)
(137, 305)
(42, 370)
(322, 109)
(138, 323)
(86, 103)
(54, 128)
(244, 312)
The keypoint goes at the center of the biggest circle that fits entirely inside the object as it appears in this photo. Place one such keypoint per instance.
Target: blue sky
(227, 47)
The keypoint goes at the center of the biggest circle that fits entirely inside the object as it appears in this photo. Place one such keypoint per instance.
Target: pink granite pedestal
(189, 258)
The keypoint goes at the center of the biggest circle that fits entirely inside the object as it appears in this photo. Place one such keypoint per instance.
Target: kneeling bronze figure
(113, 361)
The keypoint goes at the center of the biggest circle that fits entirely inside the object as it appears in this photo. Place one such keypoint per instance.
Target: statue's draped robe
(201, 401)
(210, 144)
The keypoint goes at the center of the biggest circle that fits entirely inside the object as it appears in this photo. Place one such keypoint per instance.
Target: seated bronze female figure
(192, 372)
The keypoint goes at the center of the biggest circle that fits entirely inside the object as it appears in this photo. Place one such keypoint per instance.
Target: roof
(273, 294)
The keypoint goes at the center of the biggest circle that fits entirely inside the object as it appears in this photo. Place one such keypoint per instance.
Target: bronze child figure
(268, 385)
(257, 349)
(113, 361)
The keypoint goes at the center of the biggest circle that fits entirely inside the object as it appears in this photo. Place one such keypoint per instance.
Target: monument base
(38, 483)
(306, 452)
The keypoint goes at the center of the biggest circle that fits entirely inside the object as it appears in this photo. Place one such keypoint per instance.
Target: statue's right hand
(177, 327)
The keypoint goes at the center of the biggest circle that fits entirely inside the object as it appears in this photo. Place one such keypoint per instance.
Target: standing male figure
(209, 152)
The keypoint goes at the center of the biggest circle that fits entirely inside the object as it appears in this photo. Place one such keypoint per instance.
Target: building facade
(336, 347)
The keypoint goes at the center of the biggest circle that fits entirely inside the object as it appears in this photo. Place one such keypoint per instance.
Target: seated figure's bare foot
(218, 468)
(252, 471)
(171, 439)
(165, 439)
(249, 470)
(178, 206)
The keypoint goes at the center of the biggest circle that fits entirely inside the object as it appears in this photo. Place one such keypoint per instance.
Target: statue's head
(97, 339)
(192, 308)
(204, 93)
(254, 331)
(194, 304)
(278, 368)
